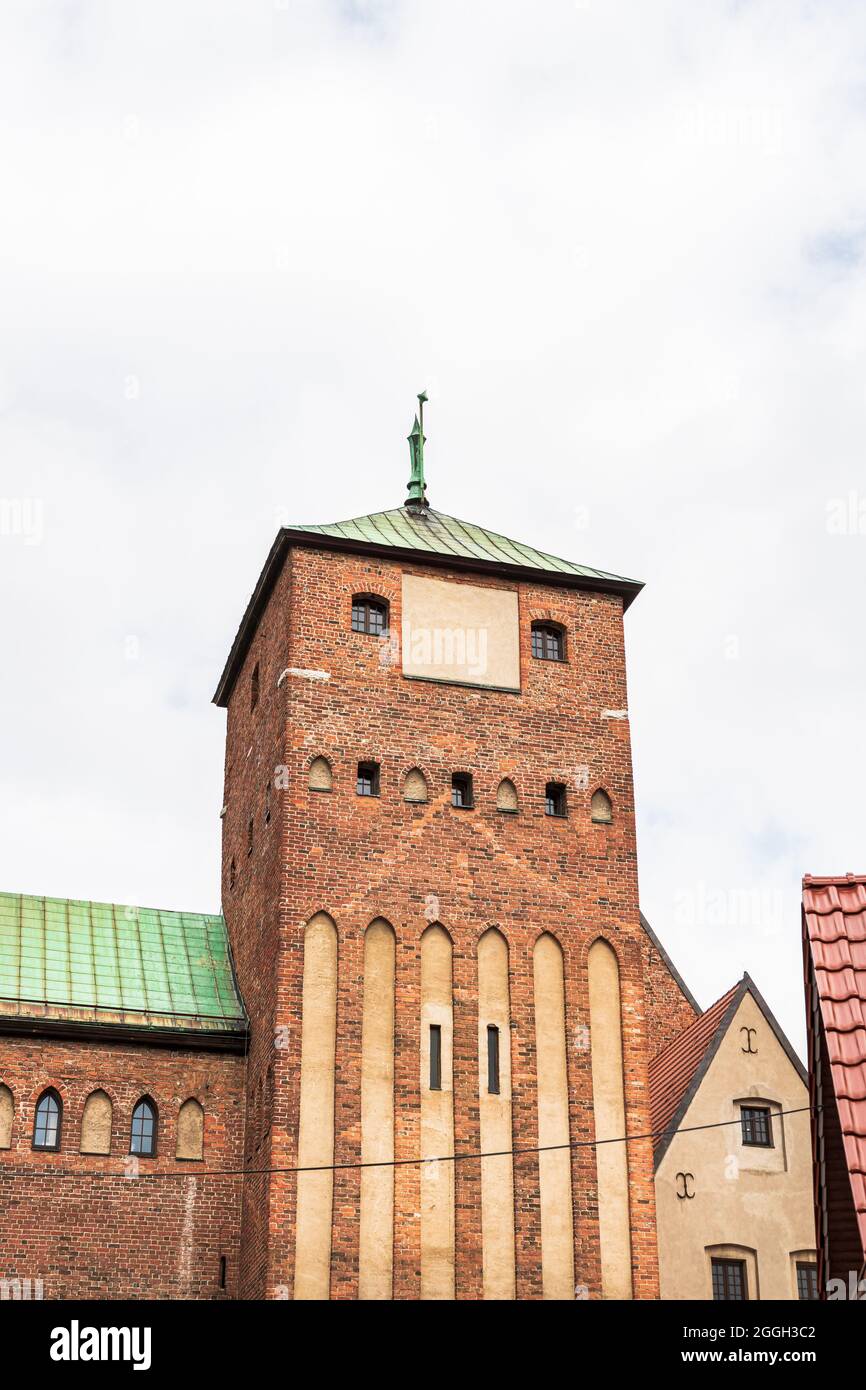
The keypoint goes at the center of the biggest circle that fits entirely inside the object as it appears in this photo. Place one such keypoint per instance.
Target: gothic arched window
(49, 1120)
(143, 1137)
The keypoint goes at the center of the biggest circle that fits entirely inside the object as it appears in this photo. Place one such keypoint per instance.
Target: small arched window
(601, 810)
(370, 615)
(254, 687)
(49, 1121)
(415, 785)
(506, 796)
(367, 783)
(555, 799)
(143, 1136)
(548, 642)
(462, 794)
(320, 779)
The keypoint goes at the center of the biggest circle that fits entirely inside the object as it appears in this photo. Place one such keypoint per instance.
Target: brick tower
(430, 886)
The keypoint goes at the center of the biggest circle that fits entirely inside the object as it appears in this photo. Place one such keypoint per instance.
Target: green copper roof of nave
(106, 963)
(424, 529)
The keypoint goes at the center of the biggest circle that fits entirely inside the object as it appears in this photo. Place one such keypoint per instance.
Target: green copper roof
(422, 528)
(105, 963)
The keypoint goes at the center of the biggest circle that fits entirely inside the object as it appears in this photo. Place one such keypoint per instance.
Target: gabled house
(733, 1157)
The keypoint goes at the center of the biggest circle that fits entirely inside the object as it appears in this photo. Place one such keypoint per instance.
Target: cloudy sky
(621, 244)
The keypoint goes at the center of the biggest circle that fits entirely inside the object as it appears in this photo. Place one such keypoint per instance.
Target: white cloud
(625, 242)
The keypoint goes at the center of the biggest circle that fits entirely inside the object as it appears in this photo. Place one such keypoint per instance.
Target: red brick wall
(254, 750)
(362, 858)
(669, 1010)
(109, 1237)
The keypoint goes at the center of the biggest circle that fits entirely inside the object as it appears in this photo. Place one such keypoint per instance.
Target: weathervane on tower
(417, 484)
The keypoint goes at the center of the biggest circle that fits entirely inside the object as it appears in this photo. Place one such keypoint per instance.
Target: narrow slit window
(461, 791)
(757, 1130)
(254, 687)
(222, 1271)
(368, 779)
(250, 832)
(435, 1057)
(492, 1059)
(554, 799)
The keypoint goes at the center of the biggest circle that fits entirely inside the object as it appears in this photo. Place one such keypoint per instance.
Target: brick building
(430, 898)
(122, 1041)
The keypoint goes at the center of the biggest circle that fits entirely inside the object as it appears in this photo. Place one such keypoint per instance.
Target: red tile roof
(672, 1071)
(834, 916)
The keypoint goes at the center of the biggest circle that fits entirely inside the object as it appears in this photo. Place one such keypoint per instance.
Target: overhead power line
(401, 1162)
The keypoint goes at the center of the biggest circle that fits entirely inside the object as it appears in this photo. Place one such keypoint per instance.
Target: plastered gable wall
(751, 1203)
(360, 859)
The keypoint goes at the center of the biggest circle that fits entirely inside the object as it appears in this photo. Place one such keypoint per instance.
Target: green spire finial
(417, 485)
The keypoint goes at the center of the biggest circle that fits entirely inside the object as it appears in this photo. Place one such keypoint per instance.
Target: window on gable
(268, 804)
(250, 832)
(461, 791)
(807, 1282)
(48, 1121)
(143, 1135)
(492, 1059)
(254, 687)
(370, 615)
(548, 642)
(757, 1128)
(233, 874)
(729, 1281)
(368, 779)
(555, 802)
